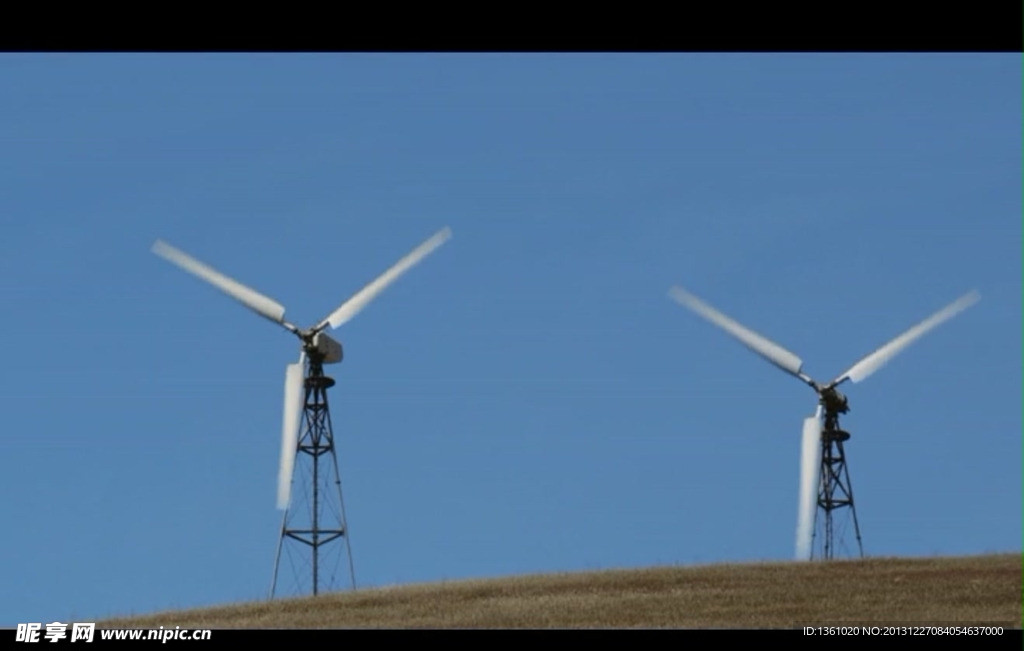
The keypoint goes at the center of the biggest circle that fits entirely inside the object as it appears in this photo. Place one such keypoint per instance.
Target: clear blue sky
(528, 399)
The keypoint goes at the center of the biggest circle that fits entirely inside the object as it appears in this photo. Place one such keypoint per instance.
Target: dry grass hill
(945, 591)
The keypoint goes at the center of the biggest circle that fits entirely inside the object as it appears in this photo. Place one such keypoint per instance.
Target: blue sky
(527, 399)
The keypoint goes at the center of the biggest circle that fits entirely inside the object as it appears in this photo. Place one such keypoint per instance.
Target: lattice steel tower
(835, 491)
(316, 519)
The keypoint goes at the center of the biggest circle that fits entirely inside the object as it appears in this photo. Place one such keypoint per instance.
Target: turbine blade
(766, 348)
(810, 460)
(252, 299)
(293, 397)
(360, 299)
(876, 360)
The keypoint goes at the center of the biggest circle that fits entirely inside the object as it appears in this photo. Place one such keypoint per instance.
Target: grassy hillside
(962, 590)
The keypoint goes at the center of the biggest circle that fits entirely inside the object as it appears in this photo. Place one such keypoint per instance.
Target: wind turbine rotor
(255, 301)
(362, 298)
(876, 360)
(293, 398)
(810, 464)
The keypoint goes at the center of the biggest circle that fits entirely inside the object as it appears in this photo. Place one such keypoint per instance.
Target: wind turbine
(824, 477)
(306, 425)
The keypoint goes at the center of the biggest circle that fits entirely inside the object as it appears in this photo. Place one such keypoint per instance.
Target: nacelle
(327, 347)
(834, 401)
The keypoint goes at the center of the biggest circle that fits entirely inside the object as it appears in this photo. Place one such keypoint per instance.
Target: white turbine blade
(360, 299)
(865, 367)
(810, 459)
(249, 297)
(766, 348)
(293, 397)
